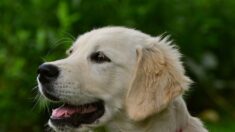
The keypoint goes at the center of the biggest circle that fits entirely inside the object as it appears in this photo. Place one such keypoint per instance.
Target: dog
(120, 78)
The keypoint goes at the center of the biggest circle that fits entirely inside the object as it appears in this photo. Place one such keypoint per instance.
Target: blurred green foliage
(34, 31)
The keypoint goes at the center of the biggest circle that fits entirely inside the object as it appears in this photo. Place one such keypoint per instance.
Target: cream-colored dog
(121, 78)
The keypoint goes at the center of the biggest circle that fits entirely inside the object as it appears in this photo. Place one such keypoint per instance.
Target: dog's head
(109, 71)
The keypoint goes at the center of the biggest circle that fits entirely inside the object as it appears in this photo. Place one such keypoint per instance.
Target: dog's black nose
(47, 73)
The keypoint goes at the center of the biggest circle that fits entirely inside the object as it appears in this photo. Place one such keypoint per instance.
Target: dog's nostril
(47, 72)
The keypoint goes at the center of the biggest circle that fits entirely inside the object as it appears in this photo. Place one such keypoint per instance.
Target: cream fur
(142, 86)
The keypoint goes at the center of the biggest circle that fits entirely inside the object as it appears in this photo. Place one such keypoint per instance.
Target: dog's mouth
(72, 115)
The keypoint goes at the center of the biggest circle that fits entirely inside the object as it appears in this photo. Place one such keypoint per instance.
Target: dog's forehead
(111, 37)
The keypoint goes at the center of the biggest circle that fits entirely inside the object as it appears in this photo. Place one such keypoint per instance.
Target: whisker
(35, 88)
(40, 102)
(43, 59)
(68, 39)
(58, 43)
(36, 100)
(61, 39)
(70, 36)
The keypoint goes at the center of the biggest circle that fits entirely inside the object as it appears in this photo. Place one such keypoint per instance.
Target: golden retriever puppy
(121, 78)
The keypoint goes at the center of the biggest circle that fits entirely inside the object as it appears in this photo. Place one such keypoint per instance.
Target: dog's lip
(51, 96)
(75, 115)
(47, 91)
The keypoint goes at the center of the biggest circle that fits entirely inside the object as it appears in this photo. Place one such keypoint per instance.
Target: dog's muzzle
(67, 114)
(47, 74)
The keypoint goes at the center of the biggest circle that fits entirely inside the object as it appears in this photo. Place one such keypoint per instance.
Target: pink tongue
(63, 112)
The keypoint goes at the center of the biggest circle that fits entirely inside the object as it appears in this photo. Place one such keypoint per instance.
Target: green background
(34, 31)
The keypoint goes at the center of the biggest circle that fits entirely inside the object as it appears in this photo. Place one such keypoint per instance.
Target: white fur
(82, 81)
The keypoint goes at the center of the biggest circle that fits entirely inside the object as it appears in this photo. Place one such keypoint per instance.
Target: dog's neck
(175, 115)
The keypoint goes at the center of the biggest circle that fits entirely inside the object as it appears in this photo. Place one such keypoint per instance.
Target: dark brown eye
(99, 57)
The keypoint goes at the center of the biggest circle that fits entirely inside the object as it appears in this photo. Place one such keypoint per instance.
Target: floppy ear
(158, 79)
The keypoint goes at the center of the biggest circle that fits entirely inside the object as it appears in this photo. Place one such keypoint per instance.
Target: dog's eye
(99, 57)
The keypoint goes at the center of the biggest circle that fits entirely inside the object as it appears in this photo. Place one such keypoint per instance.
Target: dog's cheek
(98, 83)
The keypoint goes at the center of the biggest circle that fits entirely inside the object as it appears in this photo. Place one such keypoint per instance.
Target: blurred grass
(225, 125)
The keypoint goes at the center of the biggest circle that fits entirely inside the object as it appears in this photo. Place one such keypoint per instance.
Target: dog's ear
(158, 79)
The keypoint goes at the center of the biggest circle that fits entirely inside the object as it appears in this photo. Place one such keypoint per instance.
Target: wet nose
(47, 73)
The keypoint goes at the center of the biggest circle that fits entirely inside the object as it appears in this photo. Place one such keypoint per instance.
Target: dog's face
(105, 74)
